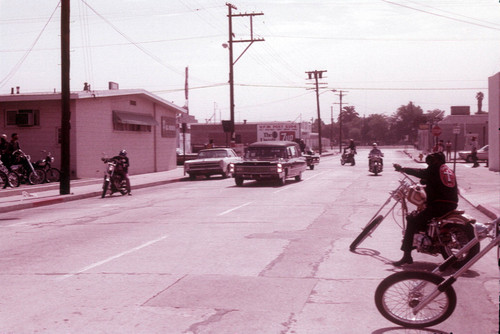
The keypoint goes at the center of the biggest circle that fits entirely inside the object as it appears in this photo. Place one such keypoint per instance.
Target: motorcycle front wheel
(398, 294)
(369, 228)
(105, 188)
(36, 177)
(454, 237)
(52, 175)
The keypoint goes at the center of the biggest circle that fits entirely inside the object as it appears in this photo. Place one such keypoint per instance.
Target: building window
(130, 121)
(22, 117)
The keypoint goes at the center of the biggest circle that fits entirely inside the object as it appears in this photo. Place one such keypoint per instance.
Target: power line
(23, 58)
(440, 15)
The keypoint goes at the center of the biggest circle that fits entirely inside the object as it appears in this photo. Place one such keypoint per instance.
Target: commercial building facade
(102, 123)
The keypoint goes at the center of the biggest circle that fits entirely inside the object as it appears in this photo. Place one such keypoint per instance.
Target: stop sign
(436, 130)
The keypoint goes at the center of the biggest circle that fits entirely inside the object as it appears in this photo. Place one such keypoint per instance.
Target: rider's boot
(406, 259)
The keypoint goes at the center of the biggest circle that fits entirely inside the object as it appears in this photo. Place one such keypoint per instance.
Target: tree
(406, 121)
(377, 127)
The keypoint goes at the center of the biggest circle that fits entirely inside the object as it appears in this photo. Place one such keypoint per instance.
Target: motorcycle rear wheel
(52, 175)
(455, 237)
(369, 228)
(36, 177)
(399, 293)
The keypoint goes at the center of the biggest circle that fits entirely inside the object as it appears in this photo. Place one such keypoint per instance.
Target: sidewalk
(478, 186)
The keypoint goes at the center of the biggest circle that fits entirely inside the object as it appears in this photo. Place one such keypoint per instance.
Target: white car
(214, 161)
(482, 154)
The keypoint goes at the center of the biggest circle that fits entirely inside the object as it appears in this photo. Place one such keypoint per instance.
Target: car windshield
(212, 154)
(266, 153)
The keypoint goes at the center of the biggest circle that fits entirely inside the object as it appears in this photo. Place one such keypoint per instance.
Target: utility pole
(64, 185)
(231, 41)
(316, 75)
(340, 120)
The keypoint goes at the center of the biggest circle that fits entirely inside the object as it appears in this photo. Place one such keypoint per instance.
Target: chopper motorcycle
(445, 235)
(113, 181)
(25, 169)
(348, 157)
(51, 174)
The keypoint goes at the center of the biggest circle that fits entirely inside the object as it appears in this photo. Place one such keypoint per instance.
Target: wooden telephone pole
(231, 41)
(316, 75)
(64, 185)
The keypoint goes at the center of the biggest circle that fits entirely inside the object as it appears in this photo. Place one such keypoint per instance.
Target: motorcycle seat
(452, 212)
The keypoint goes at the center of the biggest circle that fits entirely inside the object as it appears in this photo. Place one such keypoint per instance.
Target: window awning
(126, 117)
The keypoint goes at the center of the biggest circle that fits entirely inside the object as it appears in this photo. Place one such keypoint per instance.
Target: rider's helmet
(374, 145)
(437, 158)
(123, 153)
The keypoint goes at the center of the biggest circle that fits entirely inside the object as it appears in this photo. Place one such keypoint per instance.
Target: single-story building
(102, 123)
(249, 132)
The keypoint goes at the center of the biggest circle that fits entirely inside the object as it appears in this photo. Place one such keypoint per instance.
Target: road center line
(112, 258)
(236, 208)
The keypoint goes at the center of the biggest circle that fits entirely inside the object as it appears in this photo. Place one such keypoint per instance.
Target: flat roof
(88, 95)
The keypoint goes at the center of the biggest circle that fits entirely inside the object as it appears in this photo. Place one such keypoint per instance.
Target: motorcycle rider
(122, 165)
(375, 151)
(442, 197)
(352, 148)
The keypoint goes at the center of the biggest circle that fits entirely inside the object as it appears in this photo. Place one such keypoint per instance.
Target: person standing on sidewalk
(473, 144)
(448, 150)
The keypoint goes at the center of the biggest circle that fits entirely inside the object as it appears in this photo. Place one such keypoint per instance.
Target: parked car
(210, 162)
(181, 157)
(270, 160)
(482, 154)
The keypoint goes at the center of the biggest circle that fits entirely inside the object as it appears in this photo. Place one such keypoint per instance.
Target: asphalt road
(205, 256)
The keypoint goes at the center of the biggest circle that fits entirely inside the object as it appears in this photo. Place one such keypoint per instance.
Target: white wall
(94, 130)
(494, 122)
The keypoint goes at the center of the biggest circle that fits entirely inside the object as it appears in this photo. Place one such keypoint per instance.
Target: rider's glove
(397, 167)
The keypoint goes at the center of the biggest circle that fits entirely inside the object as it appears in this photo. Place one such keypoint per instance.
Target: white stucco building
(102, 122)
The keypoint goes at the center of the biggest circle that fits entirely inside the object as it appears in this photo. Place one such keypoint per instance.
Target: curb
(72, 197)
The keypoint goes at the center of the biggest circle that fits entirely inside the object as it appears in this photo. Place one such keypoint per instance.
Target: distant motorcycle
(375, 163)
(51, 174)
(24, 168)
(347, 157)
(114, 182)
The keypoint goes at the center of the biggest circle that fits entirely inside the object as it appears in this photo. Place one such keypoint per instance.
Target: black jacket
(123, 163)
(441, 183)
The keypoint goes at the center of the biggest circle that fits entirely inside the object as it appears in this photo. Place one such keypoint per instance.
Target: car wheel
(282, 180)
(311, 167)
(238, 181)
(192, 176)
(469, 158)
(298, 177)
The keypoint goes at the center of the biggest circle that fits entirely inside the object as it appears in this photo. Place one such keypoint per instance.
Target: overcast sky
(382, 53)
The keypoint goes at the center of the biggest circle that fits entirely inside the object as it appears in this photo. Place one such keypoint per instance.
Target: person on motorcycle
(442, 197)
(375, 151)
(122, 163)
(352, 146)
